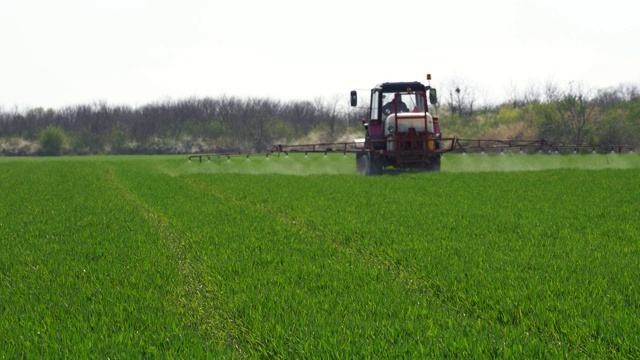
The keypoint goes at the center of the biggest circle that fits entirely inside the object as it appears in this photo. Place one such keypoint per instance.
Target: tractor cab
(390, 97)
(398, 106)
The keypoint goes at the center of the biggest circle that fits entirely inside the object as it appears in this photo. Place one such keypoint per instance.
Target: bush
(51, 140)
(18, 146)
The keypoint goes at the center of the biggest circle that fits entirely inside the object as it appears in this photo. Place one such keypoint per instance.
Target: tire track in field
(354, 247)
(419, 292)
(193, 294)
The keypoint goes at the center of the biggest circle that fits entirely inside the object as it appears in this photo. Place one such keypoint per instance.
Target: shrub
(18, 146)
(52, 140)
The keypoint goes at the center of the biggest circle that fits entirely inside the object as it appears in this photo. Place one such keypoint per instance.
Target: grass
(140, 256)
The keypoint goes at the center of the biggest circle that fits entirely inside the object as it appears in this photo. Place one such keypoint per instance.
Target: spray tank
(412, 124)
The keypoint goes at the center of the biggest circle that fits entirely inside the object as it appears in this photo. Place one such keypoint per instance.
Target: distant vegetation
(573, 115)
(182, 126)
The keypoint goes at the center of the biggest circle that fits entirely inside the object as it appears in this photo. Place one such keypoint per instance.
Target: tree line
(571, 115)
(226, 124)
(575, 115)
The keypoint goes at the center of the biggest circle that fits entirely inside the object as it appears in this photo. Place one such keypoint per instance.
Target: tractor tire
(373, 166)
(367, 163)
(361, 163)
(434, 165)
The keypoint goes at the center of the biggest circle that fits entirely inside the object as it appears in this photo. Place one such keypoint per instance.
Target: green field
(294, 257)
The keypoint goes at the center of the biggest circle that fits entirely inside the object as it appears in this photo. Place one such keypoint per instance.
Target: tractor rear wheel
(361, 163)
(367, 163)
(434, 165)
(373, 164)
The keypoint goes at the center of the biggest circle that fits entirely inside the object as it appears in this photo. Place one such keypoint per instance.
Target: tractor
(399, 130)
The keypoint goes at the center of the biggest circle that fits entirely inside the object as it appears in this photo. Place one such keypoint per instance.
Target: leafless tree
(513, 94)
(631, 92)
(303, 114)
(552, 91)
(531, 93)
(334, 117)
(462, 97)
(577, 112)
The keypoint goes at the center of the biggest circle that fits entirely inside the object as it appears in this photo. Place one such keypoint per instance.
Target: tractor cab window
(375, 100)
(420, 103)
(413, 102)
(401, 102)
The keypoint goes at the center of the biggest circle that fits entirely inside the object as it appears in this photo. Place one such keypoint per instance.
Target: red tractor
(399, 130)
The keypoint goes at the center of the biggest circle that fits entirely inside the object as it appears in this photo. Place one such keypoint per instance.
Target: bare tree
(333, 115)
(513, 94)
(552, 91)
(462, 97)
(304, 115)
(631, 92)
(609, 97)
(531, 94)
(577, 112)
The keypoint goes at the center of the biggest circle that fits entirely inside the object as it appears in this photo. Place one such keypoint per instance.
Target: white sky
(67, 52)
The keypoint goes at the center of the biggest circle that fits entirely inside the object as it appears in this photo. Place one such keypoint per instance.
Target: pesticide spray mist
(291, 164)
(479, 162)
(300, 164)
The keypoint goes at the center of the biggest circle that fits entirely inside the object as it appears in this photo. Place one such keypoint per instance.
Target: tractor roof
(401, 86)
